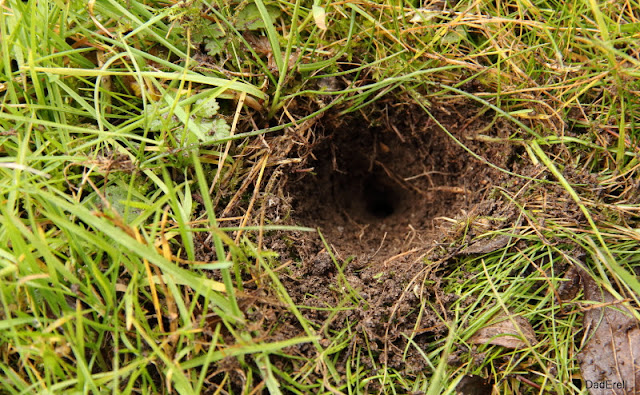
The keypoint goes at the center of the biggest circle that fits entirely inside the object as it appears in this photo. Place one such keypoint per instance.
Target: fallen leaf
(610, 359)
(507, 332)
(484, 246)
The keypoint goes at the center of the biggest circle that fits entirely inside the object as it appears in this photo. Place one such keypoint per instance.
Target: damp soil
(387, 190)
(390, 193)
(381, 187)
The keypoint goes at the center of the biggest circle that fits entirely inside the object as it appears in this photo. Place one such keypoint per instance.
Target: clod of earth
(474, 385)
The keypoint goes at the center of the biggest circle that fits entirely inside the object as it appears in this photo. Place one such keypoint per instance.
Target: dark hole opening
(380, 199)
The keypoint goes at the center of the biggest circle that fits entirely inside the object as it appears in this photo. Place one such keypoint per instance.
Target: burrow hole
(381, 182)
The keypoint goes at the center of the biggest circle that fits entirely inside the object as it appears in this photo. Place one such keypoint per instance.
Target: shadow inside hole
(386, 178)
(381, 200)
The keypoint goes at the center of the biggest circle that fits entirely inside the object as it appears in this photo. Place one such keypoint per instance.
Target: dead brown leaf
(506, 331)
(483, 246)
(611, 354)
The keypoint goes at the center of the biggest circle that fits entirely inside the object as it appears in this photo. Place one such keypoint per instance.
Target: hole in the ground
(380, 198)
(379, 184)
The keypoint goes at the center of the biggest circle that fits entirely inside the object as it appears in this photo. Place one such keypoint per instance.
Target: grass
(122, 144)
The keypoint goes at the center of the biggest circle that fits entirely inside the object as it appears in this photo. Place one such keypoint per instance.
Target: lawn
(345, 197)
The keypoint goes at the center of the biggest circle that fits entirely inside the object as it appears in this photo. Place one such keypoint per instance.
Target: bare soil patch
(385, 185)
(396, 199)
(388, 189)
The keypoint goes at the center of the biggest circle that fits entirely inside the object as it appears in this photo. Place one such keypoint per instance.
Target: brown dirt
(383, 188)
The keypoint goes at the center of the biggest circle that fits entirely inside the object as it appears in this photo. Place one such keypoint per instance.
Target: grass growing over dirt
(149, 242)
